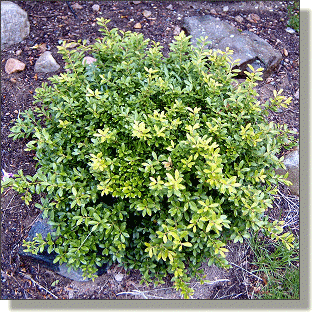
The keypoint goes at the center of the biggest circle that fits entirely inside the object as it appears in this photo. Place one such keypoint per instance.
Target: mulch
(52, 22)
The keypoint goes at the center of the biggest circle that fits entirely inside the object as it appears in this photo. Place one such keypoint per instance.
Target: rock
(291, 161)
(176, 30)
(137, 25)
(247, 46)
(225, 8)
(76, 6)
(239, 19)
(46, 259)
(95, 7)
(290, 30)
(136, 2)
(14, 65)
(285, 52)
(18, 52)
(297, 94)
(88, 60)
(46, 63)
(146, 13)
(119, 277)
(170, 7)
(14, 24)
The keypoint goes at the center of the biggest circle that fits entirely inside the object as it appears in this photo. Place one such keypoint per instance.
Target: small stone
(76, 6)
(225, 8)
(95, 7)
(290, 30)
(176, 30)
(136, 2)
(14, 65)
(18, 52)
(13, 80)
(297, 94)
(46, 63)
(239, 19)
(88, 60)
(137, 25)
(213, 11)
(146, 13)
(170, 7)
(119, 277)
(285, 52)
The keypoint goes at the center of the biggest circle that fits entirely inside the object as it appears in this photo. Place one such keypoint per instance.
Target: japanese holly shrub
(148, 161)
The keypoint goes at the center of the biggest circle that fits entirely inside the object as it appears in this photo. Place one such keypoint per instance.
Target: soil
(53, 21)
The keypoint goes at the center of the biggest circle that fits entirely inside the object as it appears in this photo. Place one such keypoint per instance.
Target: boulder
(14, 65)
(46, 260)
(46, 63)
(14, 24)
(246, 46)
(291, 161)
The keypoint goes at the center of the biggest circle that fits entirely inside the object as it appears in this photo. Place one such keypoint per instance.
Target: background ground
(51, 22)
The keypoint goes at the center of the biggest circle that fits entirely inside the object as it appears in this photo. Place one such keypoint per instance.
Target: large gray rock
(46, 63)
(46, 260)
(247, 46)
(14, 24)
(291, 161)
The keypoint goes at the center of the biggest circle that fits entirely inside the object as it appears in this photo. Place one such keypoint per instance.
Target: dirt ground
(52, 21)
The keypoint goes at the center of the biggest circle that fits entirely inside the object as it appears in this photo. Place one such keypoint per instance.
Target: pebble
(18, 52)
(285, 52)
(238, 19)
(297, 95)
(95, 7)
(146, 13)
(136, 2)
(170, 7)
(225, 8)
(14, 65)
(119, 277)
(290, 30)
(176, 30)
(137, 25)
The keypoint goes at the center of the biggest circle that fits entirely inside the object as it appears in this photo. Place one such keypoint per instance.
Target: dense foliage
(149, 161)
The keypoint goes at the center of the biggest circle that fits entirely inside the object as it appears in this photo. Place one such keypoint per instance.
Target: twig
(246, 271)
(134, 292)
(10, 202)
(71, 9)
(38, 284)
(214, 282)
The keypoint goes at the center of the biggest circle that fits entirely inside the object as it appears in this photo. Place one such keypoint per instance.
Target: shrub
(148, 161)
(294, 15)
